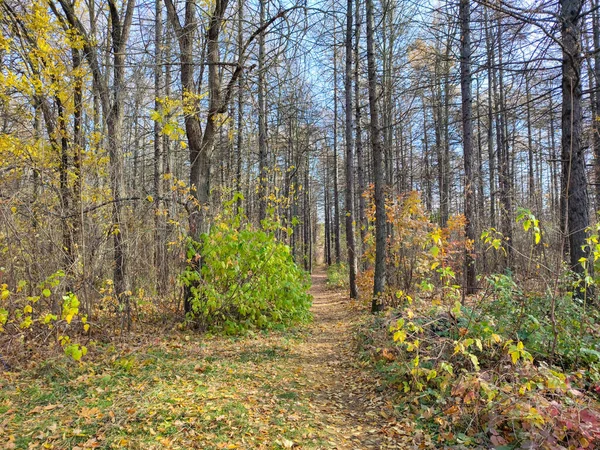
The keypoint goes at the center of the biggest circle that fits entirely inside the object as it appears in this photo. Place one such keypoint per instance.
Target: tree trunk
(467, 123)
(490, 119)
(378, 169)
(262, 122)
(240, 105)
(504, 159)
(360, 169)
(352, 265)
(160, 263)
(596, 119)
(336, 192)
(574, 189)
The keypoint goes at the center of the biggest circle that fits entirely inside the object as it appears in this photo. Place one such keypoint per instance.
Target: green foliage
(530, 222)
(247, 278)
(22, 314)
(514, 363)
(550, 325)
(337, 275)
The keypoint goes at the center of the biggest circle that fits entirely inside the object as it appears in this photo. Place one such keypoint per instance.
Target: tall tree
(379, 283)
(201, 139)
(360, 160)
(336, 190)
(349, 213)
(467, 124)
(574, 184)
(262, 120)
(110, 89)
(160, 262)
(596, 97)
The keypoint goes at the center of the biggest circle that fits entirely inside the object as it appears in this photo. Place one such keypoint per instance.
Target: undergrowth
(508, 367)
(337, 276)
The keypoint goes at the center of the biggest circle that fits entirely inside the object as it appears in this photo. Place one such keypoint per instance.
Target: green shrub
(248, 279)
(552, 326)
(337, 275)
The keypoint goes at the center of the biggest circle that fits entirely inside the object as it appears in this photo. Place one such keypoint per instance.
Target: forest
(265, 224)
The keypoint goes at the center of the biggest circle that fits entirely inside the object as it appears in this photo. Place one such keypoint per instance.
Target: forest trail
(347, 397)
(302, 388)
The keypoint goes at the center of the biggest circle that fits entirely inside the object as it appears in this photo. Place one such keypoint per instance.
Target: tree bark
(574, 189)
(160, 263)
(262, 122)
(379, 282)
(360, 169)
(352, 264)
(467, 123)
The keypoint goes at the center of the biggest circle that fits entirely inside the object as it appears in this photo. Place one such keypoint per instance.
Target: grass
(177, 392)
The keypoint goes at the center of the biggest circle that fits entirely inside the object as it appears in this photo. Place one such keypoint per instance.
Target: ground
(302, 388)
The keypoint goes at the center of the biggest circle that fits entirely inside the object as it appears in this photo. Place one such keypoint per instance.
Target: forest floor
(301, 388)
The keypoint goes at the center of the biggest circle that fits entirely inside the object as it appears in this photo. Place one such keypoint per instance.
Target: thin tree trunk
(490, 119)
(240, 105)
(160, 262)
(262, 122)
(336, 194)
(467, 123)
(596, 119)
(378, 169)
(360, 169)
(352, 264)
(532, 193)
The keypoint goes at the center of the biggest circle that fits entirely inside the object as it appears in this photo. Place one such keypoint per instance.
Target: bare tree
(349, 213)
(378, 168)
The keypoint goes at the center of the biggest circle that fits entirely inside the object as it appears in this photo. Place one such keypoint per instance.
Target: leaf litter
(302, 388)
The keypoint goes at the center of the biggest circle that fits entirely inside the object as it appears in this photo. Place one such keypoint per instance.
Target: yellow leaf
(287, 443)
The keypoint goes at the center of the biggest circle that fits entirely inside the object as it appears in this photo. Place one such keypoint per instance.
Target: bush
(417, 248)
(337, 276)
(514, 366)
(247, 278)
(31, 323)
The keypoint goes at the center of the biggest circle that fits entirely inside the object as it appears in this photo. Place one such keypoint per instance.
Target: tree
(349, 213)
(574, 184)
(262, 120)
(378, 168)
(201, 138)
(110, 90)
(467, 123)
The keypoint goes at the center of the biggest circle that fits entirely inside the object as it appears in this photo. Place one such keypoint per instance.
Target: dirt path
(347, 397)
